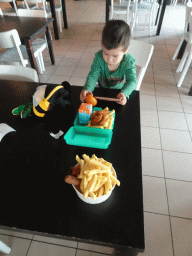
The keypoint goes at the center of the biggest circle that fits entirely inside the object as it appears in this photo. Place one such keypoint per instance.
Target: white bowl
(98, 200)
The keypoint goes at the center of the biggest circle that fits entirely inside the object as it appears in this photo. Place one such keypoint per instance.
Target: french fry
(94, 171)
(90, 185)
(100, 192)
(92, 195)
(97, 177)
(86, 157)
(115, 180)
(98, 164)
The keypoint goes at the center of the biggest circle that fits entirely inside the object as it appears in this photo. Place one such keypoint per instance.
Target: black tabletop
(33, 166)
(27, 27)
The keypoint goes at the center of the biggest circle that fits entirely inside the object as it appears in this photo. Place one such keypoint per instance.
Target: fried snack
(102, 119)
(96, 175)
(70, 179)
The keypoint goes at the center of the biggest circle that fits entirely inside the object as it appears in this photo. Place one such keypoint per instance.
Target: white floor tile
(179, 198)
(177, 165)
(154, 195)
(63, 71)
(12, 232)
(152, 162)
(149, 118)
(172, 120)
(81, 72)
(164, 79)
(147, 89)
(56, 241)
(189, 121)
(169, 104)
(182, 236)
(175, 140)
(57, 79)
(187, 104)
(88, 253)
(45, 249)
(166, 90)
(158, 240)
(19, 246)
(148, 102)
(150, 137)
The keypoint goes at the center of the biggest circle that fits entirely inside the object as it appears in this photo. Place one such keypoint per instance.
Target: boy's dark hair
(116, 33)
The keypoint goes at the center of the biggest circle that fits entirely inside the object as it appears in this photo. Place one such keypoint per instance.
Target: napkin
(4, 129)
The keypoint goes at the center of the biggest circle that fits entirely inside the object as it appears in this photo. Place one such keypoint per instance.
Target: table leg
(28, 44)
(50, 46)
(107, 10)
(64, 14)
(161, 17)
(55, 26)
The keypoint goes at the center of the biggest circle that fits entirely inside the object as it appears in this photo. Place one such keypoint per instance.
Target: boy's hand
(122, 97)
(83, 95)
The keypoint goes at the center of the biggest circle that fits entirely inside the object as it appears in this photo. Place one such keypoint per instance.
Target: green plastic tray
(93, 138)
(76, 121)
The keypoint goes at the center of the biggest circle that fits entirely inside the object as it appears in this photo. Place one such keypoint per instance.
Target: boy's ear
(126, 51)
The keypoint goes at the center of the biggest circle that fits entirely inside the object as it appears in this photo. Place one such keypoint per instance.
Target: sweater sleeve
(131, 79)
(93, 75)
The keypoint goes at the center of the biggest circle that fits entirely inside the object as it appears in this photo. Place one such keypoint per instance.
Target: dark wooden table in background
(29, 28)
(33, 166)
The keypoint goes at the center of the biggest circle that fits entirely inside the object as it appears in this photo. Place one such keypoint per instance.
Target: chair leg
(60, 23)
(182, 62)
(42, 61)
(178, 48)
(39, 64)
(185, 69)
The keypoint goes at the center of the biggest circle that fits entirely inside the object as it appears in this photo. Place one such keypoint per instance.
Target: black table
(29, 28)
(52, 7)
(55, 26)
(33, 166)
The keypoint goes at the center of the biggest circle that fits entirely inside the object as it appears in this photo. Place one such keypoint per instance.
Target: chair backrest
(188, 11)
(37, 2)
(142, 52)
(14, 4)
(18, 73)
(10, 39)
(31, 13)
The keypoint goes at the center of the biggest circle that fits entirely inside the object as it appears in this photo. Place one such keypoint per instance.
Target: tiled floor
(166, 128)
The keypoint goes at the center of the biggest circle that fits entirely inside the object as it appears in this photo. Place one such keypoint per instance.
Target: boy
(113, 67)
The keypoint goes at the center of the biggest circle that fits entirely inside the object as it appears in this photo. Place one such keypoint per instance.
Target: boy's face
(113, 56)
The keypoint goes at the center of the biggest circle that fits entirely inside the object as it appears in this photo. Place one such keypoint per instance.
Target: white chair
(1, 13)
(15, 52)
(142, 52)
(185, 36)
(12, 11)
(18, 73)
(188, 52)
(4, 248)
(42, 4)
(42, 43)
(148, 10)
(58, 9)
(124, 9)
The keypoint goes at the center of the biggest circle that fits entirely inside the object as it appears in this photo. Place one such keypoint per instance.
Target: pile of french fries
(109, 120)
(97, 177)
